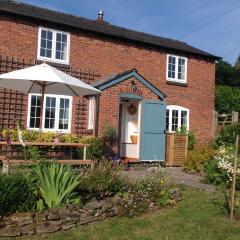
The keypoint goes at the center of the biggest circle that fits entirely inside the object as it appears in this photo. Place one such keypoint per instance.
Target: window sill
(53, 61)
(178, 83)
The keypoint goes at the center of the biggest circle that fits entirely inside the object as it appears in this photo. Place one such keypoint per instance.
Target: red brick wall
(107, 56)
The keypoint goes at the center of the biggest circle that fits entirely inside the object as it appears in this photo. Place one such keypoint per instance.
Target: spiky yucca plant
(56, 185)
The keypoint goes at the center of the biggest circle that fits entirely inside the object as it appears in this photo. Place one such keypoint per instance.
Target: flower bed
(57, 198)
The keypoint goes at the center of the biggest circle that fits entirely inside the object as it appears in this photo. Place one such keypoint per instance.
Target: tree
(226, 74)
(227, 99)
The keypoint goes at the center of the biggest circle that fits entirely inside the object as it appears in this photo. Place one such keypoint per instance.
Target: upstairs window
(176, 117)
(56, 112)
(176, 68)
(53, 45)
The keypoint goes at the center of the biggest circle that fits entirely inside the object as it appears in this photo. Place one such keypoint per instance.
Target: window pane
(63, 114)
(183, 118)
(50, 113)
(174, 120)
(35, 111)
(61, 46)
(181, 68)
(171, 66)
(167, 120)
(44, 34)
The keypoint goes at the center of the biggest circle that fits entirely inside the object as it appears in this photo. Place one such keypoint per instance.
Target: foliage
(101, 181)
(56, 185)
(227, 135)
(17, 193)
(146, 193)
(110, 135)
(219, 170)
(95, 151)
(36, 136)
(214, 175)
(196, 158)
(226, 74)
(191, 140)
(227, 99)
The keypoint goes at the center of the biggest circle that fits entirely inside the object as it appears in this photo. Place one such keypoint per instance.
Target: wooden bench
(8, 162)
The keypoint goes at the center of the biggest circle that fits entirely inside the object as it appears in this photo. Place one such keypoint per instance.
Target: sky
(211, 25)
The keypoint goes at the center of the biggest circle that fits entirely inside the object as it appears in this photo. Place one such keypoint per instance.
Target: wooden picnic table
(52, 144)
(6, 162)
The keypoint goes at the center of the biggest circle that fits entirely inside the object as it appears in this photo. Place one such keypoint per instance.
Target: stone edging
(27, 224)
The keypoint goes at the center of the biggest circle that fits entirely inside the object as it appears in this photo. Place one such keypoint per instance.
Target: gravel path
(174, 175)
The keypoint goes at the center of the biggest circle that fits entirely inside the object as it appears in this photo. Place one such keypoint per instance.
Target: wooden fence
(176, 149)
(221, 120)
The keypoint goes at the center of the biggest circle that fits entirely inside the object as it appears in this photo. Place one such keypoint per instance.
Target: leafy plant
(196, 159)
(17, 193)
(191, 141)
(110, 135)
(95, 151)
(56, 185)
(101, 181)
(227, 135)
(214, 175)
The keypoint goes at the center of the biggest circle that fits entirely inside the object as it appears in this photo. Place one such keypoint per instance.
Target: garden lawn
(200, 215)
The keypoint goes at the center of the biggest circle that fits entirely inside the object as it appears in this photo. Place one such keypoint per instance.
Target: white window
(53, 45)
(91, 113)
(176, 68)
(176, 117)
(56, 112)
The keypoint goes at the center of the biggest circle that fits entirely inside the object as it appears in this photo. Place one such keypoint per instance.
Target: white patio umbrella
(45, 79)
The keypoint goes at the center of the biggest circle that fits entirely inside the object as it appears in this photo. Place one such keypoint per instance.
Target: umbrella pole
(43, 85)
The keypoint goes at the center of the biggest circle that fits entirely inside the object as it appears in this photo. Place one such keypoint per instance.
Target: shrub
(56, 185)
(219, 170)
(227, 135)
(95, 151)
(213, 175)
(191, 140)
(101, 181)
(196, 159)
(227, 99)
(110, 135)
(146, 193)
(17, 193)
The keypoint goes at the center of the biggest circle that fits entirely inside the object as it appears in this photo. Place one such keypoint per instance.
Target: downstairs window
(56, 112)
(176, 117)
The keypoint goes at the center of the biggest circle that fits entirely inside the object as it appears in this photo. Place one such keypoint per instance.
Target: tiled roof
(20, 9)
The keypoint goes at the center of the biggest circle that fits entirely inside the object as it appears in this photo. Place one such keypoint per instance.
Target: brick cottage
(149, 84)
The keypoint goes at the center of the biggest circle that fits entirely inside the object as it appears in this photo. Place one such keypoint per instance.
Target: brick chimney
(100, 17)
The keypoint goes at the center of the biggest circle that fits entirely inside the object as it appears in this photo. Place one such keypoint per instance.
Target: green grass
(200, 215)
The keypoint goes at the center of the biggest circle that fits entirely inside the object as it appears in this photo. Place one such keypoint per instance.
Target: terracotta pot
(134, 139)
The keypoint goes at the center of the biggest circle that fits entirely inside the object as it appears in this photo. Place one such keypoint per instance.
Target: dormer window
(53, 45)
(176, 69)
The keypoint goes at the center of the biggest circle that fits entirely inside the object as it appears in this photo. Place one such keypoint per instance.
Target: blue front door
(153, 122)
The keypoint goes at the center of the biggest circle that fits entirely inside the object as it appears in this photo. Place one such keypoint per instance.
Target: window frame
(55, 129)
(53, 58)
(179, 109)
(176, 79)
